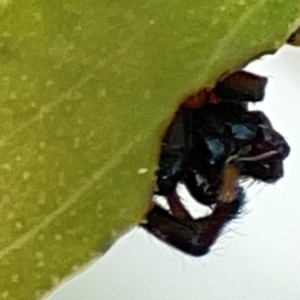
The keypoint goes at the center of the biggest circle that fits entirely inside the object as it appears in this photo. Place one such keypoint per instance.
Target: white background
(257, 257)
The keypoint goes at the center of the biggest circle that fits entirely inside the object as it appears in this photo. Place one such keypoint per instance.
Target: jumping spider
(213, 141)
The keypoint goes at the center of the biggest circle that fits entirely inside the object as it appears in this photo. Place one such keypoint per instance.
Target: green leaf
(86, 90)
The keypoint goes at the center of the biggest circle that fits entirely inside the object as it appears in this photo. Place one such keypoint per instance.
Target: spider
(212, 141)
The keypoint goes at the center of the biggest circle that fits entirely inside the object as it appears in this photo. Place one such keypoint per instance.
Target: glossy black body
(196, 147)
(201, 141)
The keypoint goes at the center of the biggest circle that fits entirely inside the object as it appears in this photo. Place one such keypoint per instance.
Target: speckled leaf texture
(86, 89)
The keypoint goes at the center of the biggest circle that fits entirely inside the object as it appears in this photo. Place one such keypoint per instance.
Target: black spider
(208, 147)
